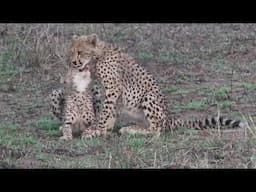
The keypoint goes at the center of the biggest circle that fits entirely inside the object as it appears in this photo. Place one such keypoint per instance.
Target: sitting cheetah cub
(75, 109)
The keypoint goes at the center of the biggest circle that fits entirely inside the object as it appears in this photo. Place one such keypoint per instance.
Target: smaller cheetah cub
(75, 109)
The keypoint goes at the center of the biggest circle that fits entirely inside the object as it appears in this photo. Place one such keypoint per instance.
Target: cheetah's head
(83, 50)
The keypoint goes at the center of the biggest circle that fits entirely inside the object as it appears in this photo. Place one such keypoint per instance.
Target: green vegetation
(249, 86)
(47, 124)
(50, 126)
(145, 56)
(226, 104)
(8, 71)
(194, 105)
(172, 59)
(222, 93)
(136, 142)
(175, 91)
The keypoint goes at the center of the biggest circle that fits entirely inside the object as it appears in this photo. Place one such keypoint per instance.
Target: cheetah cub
(127, 82)
(75, 108)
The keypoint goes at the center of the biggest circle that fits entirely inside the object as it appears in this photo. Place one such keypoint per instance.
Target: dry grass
(202, 68)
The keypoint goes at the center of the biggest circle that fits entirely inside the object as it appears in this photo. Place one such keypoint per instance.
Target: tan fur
(125, 81)
(76, 108)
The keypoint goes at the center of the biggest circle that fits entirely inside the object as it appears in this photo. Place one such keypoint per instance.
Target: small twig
(218, 122)
(142, 161)
(252, 130)
(231, 51)
(117, 33)
(231, 88)
(154, 165)
(180, 148)
(109, 161)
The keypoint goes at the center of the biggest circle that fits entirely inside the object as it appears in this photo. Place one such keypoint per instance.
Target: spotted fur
(125, 81)
(76, 109)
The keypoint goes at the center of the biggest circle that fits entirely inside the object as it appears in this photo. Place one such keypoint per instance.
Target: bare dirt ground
(202, 68)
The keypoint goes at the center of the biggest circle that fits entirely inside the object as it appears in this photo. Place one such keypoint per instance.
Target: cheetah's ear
(93, 38)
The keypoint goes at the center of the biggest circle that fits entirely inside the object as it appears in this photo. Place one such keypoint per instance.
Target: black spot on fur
(213, 121)
(228, 122)
(221, 120)
(207, 123)
(109, 102)
(200, 124)
(235, 124)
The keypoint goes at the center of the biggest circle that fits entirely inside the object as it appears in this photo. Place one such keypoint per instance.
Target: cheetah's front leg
(67, 132)
(108, 114)
(67, 127)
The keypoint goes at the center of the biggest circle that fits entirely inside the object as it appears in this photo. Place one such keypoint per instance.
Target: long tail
(207, 123)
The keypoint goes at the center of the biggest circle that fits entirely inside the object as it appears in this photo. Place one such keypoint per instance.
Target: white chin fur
(82, 80)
